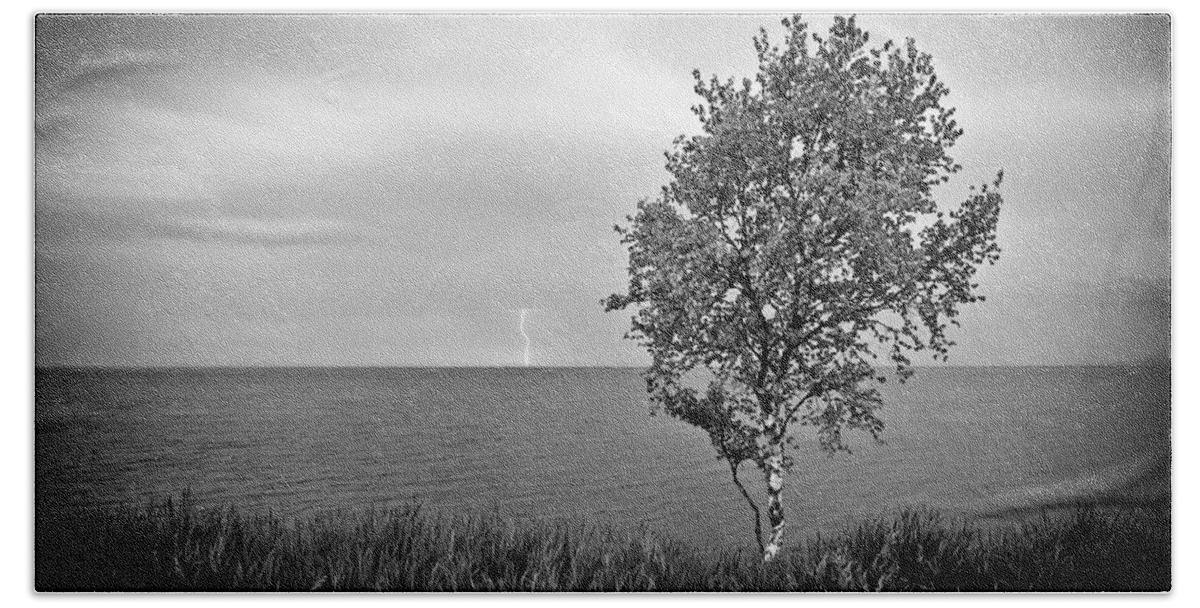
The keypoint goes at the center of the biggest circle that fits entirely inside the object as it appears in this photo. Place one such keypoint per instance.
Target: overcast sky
(367, 190)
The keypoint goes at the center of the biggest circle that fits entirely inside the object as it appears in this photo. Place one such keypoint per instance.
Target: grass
(175, 546)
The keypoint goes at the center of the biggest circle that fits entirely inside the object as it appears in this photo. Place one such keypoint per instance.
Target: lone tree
(797, 242)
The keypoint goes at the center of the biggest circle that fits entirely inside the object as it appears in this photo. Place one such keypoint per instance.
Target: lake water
(579, 443)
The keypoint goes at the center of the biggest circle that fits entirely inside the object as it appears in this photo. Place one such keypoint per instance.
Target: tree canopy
(798, 243)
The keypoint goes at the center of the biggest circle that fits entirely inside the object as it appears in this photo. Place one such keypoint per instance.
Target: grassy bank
(174, 546)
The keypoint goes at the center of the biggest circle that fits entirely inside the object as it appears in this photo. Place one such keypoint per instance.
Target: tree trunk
(774, 473)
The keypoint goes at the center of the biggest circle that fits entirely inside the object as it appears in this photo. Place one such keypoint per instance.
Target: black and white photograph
(745, 302)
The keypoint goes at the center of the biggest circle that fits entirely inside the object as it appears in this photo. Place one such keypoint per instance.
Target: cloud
(122, 59)
(259, 231)
(96, 73)
(58, 225)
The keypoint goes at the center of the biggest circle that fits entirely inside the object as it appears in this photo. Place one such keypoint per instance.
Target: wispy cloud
(260, 231)
(175, 221)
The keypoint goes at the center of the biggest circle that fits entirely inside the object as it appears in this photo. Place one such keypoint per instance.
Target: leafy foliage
(799, 240)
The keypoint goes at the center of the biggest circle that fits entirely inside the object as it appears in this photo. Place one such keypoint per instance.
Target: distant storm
(387, 190)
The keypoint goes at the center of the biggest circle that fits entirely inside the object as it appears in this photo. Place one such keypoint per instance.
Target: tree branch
(812, 392)
(733, 469)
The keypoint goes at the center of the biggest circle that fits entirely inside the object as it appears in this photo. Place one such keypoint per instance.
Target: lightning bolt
(525, 311)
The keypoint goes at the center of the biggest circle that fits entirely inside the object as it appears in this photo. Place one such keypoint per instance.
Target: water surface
(578, 443)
